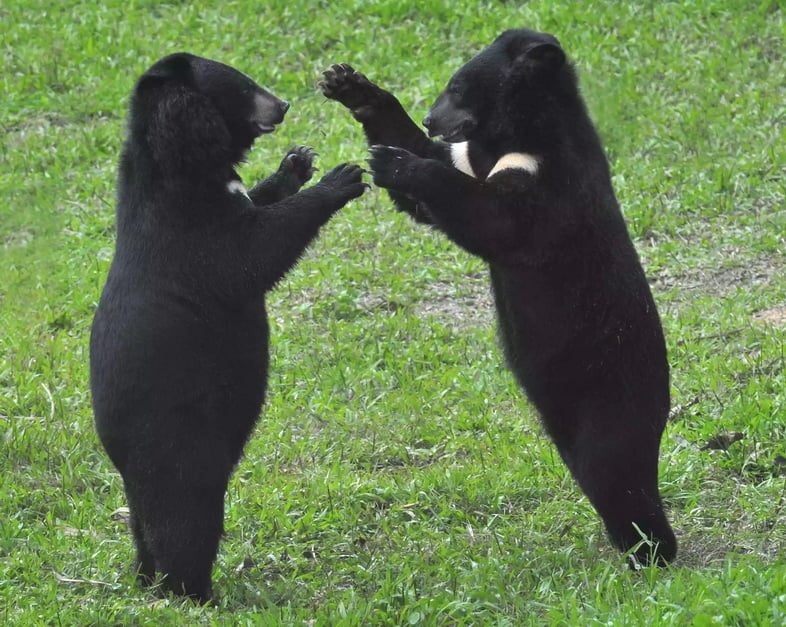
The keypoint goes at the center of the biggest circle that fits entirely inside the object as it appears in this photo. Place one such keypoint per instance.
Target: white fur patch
(459, 153)
(516, 161)
(236, 187)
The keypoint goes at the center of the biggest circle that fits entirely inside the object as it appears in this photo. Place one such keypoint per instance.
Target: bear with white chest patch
(179, 344)
(521, 180)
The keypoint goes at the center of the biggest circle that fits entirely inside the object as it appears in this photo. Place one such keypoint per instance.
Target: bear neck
(148, 194)
(550, 129)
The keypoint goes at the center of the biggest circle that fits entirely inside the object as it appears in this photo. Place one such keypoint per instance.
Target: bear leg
(184, 534)
(177, 500)
(145, 563)
(617, 468)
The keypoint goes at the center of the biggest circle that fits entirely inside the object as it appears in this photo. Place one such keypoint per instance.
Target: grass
(397, 475)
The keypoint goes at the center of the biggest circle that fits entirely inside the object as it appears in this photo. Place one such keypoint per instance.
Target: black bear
(179, 344)
(521, 180)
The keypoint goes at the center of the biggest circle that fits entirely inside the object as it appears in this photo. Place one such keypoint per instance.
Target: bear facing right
(521, 180)
(179, 344)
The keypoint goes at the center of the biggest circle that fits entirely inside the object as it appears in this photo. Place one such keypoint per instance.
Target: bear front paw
(352, 89)
(298, 164)
(346, 180)
(391, 166)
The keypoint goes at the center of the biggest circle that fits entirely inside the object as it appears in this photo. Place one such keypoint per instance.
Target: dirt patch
(15, 135)
(377, 302)
(459, 304)
(704, 547)
(716, 278)
(775, 316)
(18, 239)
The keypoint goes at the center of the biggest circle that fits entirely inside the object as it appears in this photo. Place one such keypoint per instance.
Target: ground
(397, 476)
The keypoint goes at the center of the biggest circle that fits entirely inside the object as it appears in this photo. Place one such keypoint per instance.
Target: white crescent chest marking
(516, 161)
(459, 153)
(236, 187)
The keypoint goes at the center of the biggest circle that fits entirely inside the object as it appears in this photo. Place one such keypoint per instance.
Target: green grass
(397, 475)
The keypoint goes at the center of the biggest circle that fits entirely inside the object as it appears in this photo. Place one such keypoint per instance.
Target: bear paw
(346, 180)
(391, 166)
(350, 88)
(298, 165)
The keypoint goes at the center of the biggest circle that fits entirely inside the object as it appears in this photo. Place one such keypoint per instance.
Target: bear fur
(521, 180)
(179, 343)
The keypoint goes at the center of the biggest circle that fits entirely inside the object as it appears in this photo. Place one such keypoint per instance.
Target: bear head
(195, 114)
(503, 95)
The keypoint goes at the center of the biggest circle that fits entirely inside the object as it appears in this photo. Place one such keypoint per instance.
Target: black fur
(577, 320)
(178, 351)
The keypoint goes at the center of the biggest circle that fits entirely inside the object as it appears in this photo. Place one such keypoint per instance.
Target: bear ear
(174, 67)
(545, 56)
(541, 59)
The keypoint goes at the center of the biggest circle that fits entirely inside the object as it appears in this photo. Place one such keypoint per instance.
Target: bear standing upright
(179, 344)
(522, 181)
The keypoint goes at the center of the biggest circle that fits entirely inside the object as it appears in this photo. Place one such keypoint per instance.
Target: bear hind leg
(145, 563)
(184, 535)
(617, 468)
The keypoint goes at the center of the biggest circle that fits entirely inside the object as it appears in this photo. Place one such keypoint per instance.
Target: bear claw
(343, 83)
(299, 163)
(389, 164)
(345, 179)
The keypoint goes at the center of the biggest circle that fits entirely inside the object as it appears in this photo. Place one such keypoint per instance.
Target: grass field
(397, 475)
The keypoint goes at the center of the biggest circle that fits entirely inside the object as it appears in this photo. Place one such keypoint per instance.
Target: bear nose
(427, 121)
(284, 106)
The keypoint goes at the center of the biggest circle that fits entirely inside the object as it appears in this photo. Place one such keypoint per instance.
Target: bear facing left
(179, 343)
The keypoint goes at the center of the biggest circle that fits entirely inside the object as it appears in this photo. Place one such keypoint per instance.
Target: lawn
(397, 475)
